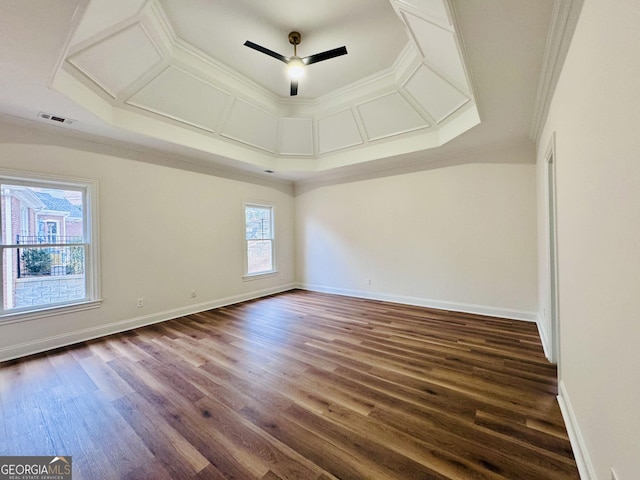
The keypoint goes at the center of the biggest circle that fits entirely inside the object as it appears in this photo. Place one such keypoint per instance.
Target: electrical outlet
(613, 475)
(194, 293)
(368, 281)
(140, 302)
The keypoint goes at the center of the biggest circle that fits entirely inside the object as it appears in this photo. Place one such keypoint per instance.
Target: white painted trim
(76, 18)
(63, 340)
(563, 23)
(580, 452)
(225, 124)
(551, 252)
(168, 67)
(544, 339)
(398, 92)
(425, 302)
(342, 147)
(156, 64)
(48, 310)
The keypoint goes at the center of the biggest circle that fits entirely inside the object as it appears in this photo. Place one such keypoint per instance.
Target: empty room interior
(381, 239)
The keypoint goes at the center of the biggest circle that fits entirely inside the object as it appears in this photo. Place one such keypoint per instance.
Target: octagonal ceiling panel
(338, 131)
(389, 115)
(296, 136)
(252, 126)
(119, 60)
(184, 62)
(184, 97)
(436, 9)
(423, 83)
(103, 14)
(445, 58)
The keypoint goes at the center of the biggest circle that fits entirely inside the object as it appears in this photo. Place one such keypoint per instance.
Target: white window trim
(247, 277)
(92, 266)
(274, 271)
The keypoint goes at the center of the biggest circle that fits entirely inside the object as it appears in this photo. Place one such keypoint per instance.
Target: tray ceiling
(177, 70)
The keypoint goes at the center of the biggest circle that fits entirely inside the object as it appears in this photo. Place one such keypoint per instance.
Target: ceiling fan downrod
(294, 39)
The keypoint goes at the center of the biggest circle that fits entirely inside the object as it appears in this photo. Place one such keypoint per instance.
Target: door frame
(551, 220)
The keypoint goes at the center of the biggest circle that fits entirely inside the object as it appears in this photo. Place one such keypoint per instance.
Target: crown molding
(563, 24)
(503, 152)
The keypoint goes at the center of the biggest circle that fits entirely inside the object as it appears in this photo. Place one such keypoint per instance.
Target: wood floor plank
(435, 458)
(170, 449)
(298, 385)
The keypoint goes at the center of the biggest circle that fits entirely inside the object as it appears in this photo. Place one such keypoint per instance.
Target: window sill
(257, 276)
(43, 312)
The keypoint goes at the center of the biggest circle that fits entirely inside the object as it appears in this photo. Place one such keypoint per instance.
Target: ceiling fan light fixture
(296, 65)
(295, 68)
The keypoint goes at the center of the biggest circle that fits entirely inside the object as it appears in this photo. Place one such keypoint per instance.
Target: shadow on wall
(517, 153)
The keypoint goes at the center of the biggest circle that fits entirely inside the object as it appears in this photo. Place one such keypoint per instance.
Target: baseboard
(66, 339)
(425, 302)
(580, 452)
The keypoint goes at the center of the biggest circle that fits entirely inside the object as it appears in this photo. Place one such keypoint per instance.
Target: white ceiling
(174, 75)
(220, 28)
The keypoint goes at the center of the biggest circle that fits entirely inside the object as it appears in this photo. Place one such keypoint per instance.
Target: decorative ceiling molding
(193, 101)
(338, 131)
(251, 125)
(143, 55)
(389, 115)
(296, 137)
(420, 85)
(563, 23)
(139, 75)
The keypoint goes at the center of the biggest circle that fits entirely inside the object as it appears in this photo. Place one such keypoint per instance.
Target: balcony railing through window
(58, 255)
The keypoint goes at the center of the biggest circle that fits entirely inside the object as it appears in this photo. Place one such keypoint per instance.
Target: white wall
(459, 237)
(163, 233)
(595, 113)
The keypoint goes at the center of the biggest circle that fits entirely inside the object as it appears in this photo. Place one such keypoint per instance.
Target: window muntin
(48, 257)
(259, 238)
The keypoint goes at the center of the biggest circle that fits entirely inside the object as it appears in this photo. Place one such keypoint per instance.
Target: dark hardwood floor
(299, 385)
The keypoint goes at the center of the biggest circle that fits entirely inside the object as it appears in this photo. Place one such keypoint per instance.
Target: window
(48, 250)
(259, 239)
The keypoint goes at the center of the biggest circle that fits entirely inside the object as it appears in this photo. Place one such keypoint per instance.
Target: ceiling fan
(296, 64)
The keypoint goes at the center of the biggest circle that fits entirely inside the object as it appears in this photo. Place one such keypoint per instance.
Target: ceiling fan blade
(294, 88)
(266, 51)
(318, 57)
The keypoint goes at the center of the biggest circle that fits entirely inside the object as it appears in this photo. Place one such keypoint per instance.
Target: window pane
(41, 276)
(41, 215)
(47, 256)
(258, 223)
(259, 258)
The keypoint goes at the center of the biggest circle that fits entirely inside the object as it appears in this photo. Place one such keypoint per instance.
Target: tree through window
(47, 256)
(259, 239)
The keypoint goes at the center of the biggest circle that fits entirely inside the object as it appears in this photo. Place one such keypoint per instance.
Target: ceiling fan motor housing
(294, 38)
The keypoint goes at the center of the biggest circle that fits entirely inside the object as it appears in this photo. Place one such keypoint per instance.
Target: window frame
(89, 190)
(274, 269)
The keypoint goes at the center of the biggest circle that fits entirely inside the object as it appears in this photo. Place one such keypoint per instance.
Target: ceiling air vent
(55, 118)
